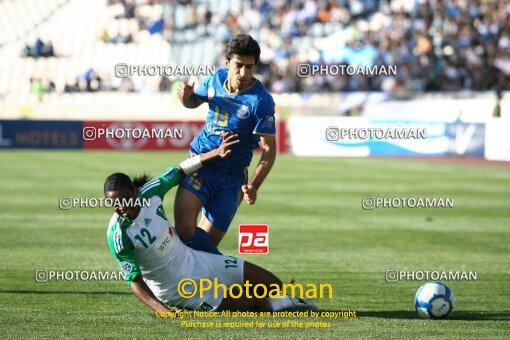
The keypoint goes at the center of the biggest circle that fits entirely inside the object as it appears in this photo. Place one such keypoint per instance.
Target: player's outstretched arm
(173, 175)
(192, 164)
(187, 96)
(228, 139)
(268, 143)
(146, 296)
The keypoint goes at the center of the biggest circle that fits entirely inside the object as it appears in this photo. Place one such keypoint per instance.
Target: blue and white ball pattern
(434, 300)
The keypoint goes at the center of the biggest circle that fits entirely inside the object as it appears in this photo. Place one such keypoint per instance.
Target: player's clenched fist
(184, 91)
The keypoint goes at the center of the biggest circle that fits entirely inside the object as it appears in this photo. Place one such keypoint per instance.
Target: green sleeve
(122, 250)
(160, 186)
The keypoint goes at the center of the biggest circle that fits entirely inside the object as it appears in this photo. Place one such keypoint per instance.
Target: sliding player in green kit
(154, 260)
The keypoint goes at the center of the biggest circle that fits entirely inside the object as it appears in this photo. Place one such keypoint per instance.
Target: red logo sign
(159, 135)
(253, 239)
(107, 134)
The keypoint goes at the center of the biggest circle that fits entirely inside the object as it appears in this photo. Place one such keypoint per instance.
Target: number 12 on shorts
(253, 239)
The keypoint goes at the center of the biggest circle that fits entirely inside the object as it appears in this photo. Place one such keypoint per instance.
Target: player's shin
(281, 303)
(287, 303)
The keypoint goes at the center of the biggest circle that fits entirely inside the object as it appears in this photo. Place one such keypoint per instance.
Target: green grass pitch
(318, 234)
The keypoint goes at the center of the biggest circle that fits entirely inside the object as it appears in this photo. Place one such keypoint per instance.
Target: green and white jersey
(149, 246)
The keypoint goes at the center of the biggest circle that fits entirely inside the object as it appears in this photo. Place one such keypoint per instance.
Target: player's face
(240, 71)
(124, 200)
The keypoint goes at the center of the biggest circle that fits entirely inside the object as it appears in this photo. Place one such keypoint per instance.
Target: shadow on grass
(456, 315)
(60, 292)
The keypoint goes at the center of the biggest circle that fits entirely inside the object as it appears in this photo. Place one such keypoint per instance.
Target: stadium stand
(437, 45)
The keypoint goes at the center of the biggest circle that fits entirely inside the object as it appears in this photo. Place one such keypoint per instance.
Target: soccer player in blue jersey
(239, 103)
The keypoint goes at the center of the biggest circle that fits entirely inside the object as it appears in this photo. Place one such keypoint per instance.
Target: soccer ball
(434, 300)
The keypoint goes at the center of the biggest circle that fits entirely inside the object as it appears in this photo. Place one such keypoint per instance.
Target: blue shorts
(219, 191)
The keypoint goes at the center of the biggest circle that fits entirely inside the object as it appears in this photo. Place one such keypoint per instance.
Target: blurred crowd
(436, 45)
(38, 49)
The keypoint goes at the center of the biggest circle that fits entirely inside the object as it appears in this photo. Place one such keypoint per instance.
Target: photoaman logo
(253, 239)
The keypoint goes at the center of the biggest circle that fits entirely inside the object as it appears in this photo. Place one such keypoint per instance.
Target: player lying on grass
(154, 259)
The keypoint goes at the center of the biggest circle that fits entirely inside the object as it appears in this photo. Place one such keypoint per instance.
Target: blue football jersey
(247, 113)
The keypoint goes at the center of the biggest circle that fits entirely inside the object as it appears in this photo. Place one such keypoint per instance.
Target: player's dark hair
(140, 180)
(119, 180)
(243, 45)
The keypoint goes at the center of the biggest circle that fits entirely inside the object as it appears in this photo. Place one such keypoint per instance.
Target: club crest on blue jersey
(243, 112)
(209, 126)
(126, 267)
